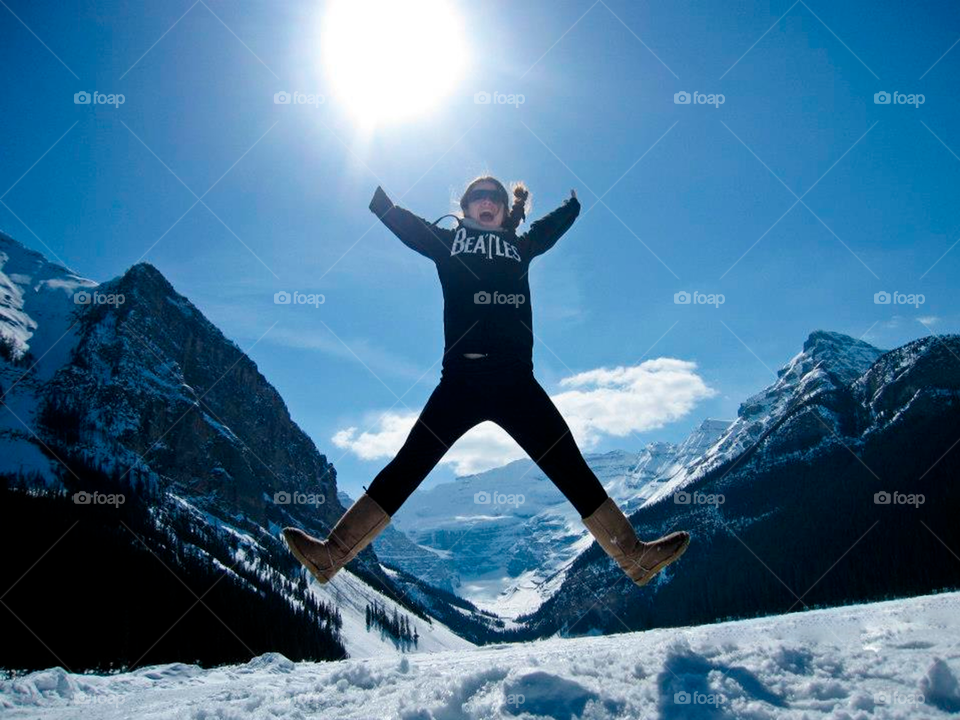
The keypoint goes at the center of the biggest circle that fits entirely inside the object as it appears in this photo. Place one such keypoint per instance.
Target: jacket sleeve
(413, 231)
(545, 232)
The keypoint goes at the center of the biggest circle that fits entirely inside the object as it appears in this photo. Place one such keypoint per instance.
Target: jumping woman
(487, 374)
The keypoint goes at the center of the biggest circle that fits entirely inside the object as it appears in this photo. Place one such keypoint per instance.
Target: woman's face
(488, 213)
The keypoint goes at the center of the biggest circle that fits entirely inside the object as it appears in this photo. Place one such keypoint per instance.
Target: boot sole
(314, 569)
(662, 564)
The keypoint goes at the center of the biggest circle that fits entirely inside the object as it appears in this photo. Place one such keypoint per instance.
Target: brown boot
(639, 560)
(353, 532)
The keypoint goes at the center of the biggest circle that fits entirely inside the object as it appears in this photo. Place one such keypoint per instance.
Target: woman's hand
(380, 202)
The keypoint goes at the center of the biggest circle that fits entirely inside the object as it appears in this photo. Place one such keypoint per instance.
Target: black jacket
(484, 276)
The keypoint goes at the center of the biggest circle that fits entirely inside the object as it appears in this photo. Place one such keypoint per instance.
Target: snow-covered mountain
(884, 661)
(36, 297)
(509, 557)
(659, 464)
(37, 330)
(829, 360)
(514, 558)
(396, 549)
(511, 560)
(146, 389)
(847, 494)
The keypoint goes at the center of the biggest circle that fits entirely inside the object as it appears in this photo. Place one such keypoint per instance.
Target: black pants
(508, 394)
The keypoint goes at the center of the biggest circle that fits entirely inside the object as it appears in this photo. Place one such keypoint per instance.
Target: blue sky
(694, 197)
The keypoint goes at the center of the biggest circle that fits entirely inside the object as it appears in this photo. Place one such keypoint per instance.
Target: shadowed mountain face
(511, 559)
(167, 386)
(151, 382)
(510, 556)
(829, 360)
(848, 495)
(125, 385)
(149, 387)
(133, 373)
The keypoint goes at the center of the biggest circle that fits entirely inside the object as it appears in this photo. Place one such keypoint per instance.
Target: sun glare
(391, 61)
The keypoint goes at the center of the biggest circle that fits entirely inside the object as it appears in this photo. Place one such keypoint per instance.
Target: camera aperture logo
(298, 298)
(698, 698)
(498, 298)
(85, 298)
(685, 98)
(298, 98)
(98, 98)
(98, 498)
(699, 298)
(898, 298)
(86, 700)
(498, 98)
(895, 697)
(698, 498)
(497, 498)
(282, 497)
(898, 498)
(898, 98)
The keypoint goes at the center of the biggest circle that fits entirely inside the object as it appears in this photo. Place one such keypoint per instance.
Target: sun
(391, 61)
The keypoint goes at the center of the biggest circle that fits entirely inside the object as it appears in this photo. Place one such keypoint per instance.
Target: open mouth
(486, 216)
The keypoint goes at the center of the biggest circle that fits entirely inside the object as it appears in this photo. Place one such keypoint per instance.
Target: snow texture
(896, 659)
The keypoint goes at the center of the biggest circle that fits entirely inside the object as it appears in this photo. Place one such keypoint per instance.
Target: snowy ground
(897, 659)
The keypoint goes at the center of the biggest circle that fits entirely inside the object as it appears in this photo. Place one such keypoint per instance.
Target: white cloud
(623, 400)
(600, 403)
(929, 319)
(485, 446)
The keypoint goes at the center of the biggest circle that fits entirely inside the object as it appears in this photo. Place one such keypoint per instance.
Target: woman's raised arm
(413, 231)
(545, 232)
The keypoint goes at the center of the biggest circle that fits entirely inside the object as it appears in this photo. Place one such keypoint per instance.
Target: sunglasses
(491, 195)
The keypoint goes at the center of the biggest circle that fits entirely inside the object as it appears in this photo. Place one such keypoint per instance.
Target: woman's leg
(449, 413)
(528, 414)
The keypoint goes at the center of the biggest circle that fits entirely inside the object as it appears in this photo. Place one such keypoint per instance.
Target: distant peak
(828, 339)
(146, 283)
(24, 260)
(145, 274)
(714, 423)
(144, 268)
